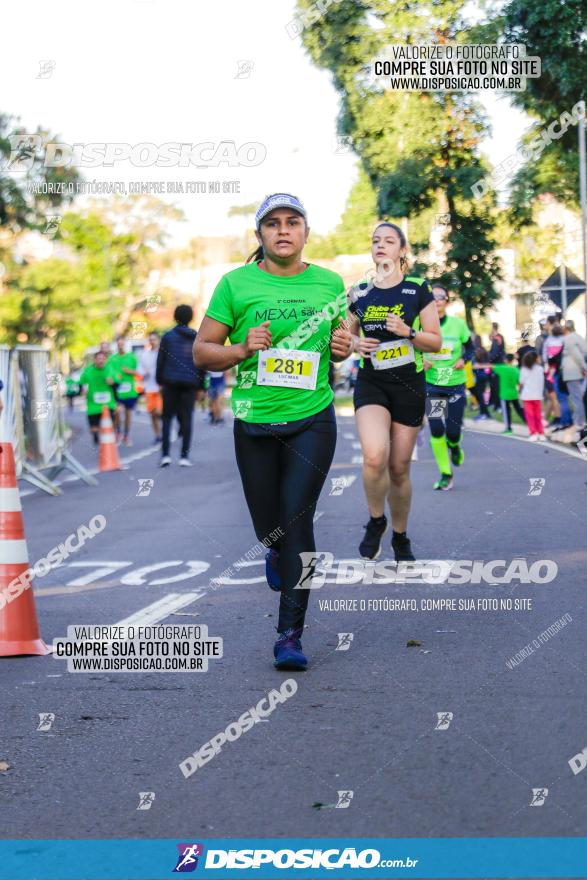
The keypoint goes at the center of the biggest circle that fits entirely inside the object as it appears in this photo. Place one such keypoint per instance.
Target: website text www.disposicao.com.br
(303, 858)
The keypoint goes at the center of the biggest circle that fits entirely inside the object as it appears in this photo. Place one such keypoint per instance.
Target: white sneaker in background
(533, 438)
(185, 462)
(165, 461)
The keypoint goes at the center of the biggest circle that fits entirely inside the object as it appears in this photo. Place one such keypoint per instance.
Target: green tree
(556, 31)
(22, 205)
(420, 151)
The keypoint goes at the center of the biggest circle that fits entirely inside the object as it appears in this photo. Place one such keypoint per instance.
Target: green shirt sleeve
(465, 332)
(83, 379)
(221, 306)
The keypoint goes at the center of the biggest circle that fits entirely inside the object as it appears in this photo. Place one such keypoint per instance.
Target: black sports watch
(412, 333)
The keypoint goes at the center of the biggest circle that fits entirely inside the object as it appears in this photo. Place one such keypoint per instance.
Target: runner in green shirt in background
(124, 365)
(446, 391)
(99, 381)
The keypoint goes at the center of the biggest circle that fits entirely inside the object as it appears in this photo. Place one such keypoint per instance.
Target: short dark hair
(509, 358)
(183, 314)
(529, 359)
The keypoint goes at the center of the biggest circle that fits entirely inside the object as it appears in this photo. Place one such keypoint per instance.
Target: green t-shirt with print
(509, 378)
(303, 310)
(99, 393)
(454, 333)
(126, 382)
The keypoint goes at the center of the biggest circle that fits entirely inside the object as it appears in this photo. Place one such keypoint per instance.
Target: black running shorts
(405, 398)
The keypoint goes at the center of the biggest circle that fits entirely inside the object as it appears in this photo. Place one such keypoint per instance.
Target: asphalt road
(364, 719)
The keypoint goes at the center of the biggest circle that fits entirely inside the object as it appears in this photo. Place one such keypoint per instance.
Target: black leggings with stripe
(451, 422)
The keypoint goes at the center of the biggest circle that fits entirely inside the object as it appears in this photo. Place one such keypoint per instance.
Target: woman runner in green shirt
(284, 320)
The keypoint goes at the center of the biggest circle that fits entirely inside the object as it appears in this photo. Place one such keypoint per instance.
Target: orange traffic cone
(19, 630)
(109, 460)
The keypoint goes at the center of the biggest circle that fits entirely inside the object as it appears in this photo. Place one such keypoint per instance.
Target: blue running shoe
(272, 570)
(288, 651)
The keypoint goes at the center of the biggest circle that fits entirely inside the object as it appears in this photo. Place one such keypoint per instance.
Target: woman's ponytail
(256, 255)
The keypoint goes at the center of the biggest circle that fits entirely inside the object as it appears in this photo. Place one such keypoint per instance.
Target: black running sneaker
(370, 546)
(400, 544)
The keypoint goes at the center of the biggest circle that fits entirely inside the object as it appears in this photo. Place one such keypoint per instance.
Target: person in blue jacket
(179, 380)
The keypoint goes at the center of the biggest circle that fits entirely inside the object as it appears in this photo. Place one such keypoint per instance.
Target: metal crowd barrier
(32, 418)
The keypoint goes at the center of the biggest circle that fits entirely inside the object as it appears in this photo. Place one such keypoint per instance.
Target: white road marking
(161, 609)
(318, 514)
(99, 570)
(70, 478)
(195, 567)
(554, 445)
(348, 436)
(356, 445)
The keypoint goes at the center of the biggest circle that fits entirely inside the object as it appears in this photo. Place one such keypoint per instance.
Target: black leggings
(507, 413)
(478, 392)
(452, 423)
(282, 478)
(178, 401)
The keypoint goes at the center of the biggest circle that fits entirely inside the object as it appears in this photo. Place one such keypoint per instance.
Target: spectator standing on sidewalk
(496, 355)
(574, 371)
(482, 375)
(531, 394)
(552, 359)
(179, 380)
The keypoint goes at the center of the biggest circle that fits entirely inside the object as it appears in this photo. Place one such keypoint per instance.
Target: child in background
(531, 394)
(509, 379)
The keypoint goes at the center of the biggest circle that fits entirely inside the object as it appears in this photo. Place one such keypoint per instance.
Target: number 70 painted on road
(99, 569)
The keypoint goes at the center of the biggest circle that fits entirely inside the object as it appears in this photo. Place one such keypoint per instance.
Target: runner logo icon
(344, 641)
(436, 407)
(309, 578)
(539, 795)
(444, 719)
(187, 859)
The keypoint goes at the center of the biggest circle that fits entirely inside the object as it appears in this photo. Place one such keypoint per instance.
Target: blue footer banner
(287, 858)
